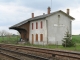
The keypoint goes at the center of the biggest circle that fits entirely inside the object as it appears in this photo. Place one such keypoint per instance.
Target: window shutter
(36, 25)
(36, 37)
(41, 37)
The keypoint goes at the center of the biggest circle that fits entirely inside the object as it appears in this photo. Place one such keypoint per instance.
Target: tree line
(5, 35)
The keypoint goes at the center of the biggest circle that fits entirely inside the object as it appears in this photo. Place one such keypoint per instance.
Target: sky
(15, 11)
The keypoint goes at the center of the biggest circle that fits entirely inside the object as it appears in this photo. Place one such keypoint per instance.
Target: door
(32, 38)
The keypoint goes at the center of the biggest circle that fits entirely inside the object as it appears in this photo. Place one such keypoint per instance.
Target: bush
(67, 41)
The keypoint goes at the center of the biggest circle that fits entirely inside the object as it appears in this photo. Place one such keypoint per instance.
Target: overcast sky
(15, 11)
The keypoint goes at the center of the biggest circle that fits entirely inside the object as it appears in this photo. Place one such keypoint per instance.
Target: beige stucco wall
(38, 31)
(54, 29)
(57, 28)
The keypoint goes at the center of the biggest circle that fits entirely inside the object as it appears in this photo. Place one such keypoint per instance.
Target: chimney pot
(32, 15)
(68, 11)
(49, 9)
(43, 13)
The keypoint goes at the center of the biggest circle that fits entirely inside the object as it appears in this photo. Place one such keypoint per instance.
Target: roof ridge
(40, 17)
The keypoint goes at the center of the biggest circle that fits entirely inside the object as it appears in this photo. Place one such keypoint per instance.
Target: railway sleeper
(28, 55)
(13, 57)
(67, 56)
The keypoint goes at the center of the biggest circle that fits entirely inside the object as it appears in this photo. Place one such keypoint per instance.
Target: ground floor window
(36, 37)
(41, 37)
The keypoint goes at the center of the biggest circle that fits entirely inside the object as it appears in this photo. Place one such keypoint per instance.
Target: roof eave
(13, 27)
(72, 18)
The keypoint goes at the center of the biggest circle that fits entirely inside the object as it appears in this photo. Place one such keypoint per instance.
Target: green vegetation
(15, 39)
(9, 40)
(76, 38)
(67, 41)
(59, 47)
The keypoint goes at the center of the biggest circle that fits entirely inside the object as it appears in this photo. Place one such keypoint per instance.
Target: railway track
(37, 53)
(15, 55)
(9, 57)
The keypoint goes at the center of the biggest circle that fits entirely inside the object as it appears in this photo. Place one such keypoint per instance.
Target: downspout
(71, 28)
(47, 30)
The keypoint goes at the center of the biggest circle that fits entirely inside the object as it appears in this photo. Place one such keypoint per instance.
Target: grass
(58, 47)
(76, 38)
(9, 40)
(15, 39)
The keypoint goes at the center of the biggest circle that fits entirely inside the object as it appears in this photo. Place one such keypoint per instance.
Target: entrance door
(32, 38)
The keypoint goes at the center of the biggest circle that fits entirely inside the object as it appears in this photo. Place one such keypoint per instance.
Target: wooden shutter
(41, 37)
(36, 37)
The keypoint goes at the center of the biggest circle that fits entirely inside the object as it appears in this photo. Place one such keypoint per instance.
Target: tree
(67, 41)
(4, 33)
(9, 35)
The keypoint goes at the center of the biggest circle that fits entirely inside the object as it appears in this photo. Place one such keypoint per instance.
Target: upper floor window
(36, 25)
(41, 24)
(32, 26)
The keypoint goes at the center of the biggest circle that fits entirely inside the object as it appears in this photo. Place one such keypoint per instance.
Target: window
(32, 26)
(36, 25)
(58, 16)
(41, 24)
(41, 37)
(36, 37)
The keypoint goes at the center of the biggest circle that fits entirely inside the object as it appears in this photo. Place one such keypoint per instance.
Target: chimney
(43, 13)
(68, 11)
(32, 15)
(49, 9)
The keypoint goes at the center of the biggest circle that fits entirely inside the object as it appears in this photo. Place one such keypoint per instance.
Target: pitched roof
(39, 17)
